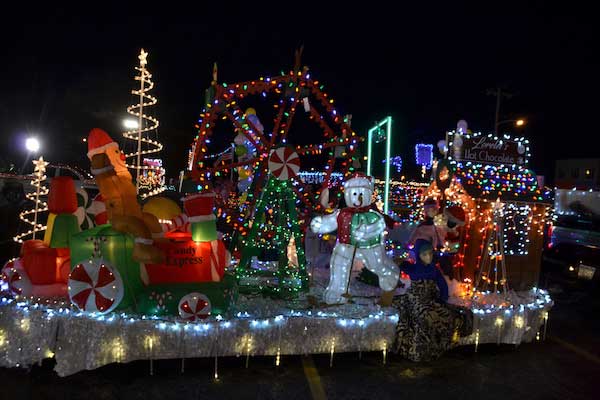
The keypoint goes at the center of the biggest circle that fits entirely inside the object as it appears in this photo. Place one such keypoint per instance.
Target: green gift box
(116, 249)
(64, 226)
(162, 300)
(204, 231)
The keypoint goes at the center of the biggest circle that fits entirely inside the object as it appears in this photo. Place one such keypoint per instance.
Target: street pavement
(564, 366)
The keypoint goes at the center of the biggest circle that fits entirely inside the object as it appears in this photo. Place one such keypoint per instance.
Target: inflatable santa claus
(120, 196)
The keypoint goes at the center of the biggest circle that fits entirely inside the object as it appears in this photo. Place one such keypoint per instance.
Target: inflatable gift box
(62, 204)
(59, 230)
(199, 204)
(39, 262)
(17, 283)
(40, 271)
(63, 265)
(62, 197)
(187, 261)
(204, 230)
(199, 208)
(115, 250)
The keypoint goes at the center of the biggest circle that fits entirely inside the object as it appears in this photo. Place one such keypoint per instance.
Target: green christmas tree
(273, 260)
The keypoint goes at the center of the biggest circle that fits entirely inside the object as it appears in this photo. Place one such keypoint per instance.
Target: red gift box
(199, 204)
(63, 264)
(62, 198)
(29, 245)
(188, 262)
(39, 262)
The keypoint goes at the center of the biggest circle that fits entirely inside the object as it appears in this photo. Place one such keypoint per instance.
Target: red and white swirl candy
(194, 306)
(95, 286)
(16, 279)
(284, 163)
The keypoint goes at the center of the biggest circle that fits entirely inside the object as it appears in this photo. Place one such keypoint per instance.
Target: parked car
(572, 253)
(11, 191)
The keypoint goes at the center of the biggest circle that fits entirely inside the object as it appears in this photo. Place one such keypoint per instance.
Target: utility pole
(498, 97)
(499, 93)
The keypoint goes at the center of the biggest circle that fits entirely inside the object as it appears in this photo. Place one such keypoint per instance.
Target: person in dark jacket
(427, 325)
(424, 269)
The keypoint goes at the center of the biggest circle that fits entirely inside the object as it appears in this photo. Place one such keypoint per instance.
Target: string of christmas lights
(518, 219)
(406, 198)
(318, 177)
(492, 271)
(288, 91)
(274, 229)
(31, 332)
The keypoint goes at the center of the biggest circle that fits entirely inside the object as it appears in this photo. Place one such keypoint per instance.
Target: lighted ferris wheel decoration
(289, 95)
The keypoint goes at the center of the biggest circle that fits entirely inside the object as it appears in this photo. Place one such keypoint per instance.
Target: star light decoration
(40, 165)
(143, 58)
(39, 174)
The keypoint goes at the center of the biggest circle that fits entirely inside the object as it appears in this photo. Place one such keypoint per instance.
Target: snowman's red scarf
(344, 222)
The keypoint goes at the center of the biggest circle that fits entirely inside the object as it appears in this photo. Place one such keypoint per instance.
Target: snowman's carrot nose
(360, 198)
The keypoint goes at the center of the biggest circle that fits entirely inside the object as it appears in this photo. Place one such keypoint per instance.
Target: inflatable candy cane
(181, 222)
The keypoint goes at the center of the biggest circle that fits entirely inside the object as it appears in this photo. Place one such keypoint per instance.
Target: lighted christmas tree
(272, 260)
(492, 270)
(39, 206)
(149, 173)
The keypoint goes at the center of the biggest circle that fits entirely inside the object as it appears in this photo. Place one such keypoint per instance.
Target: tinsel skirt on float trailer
(428, 328)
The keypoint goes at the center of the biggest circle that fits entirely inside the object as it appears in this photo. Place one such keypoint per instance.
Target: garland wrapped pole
(149, 174)
(39, 175)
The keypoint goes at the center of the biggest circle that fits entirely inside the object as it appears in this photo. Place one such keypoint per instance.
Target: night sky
(65, 71)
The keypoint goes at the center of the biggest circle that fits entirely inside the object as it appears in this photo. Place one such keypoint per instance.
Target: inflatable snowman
(360, 233)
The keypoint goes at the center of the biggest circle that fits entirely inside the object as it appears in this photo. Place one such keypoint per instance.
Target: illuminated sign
(488, 149)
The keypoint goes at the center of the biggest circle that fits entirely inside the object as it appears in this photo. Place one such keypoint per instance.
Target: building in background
(580, 173)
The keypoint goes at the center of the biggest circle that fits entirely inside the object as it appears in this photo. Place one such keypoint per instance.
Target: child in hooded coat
(427, 325)
(424, 269)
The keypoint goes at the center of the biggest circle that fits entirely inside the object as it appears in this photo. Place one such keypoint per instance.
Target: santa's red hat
(456, 214)
(98, 142)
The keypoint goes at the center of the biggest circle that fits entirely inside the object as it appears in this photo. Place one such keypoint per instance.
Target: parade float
(488, 177)
(225, 274)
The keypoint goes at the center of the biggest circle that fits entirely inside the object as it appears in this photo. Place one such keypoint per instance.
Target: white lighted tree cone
(492, 271)
(141, 134)
(39, 206)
